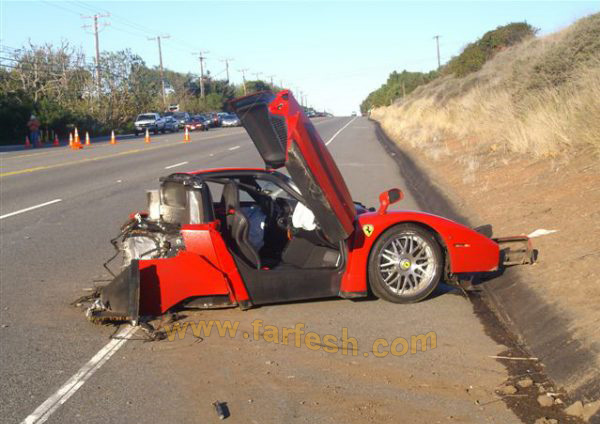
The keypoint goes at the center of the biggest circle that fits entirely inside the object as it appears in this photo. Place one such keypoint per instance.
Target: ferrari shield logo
(368, 229)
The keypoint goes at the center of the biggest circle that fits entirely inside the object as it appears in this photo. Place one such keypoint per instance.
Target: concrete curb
(538, 325)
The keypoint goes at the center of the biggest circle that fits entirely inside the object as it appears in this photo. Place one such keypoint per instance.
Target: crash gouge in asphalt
(274, 238)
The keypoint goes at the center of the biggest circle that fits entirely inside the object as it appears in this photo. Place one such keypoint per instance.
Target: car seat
(237, 225)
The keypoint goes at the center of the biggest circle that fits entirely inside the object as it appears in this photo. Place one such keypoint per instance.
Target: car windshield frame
(146, 117)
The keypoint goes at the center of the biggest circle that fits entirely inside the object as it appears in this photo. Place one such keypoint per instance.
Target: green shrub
(15, 110)
(395, 87)
(476, 54)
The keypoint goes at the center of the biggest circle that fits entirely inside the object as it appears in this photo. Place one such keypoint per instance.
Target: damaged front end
(157, 271)
(143, 237)
(120, 299)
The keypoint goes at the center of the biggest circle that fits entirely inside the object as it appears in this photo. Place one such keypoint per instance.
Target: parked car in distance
(181, 117)
(149, 121)
(171, 124)
(353, 114)
(230, 120)
(197, 122)
(216, 119)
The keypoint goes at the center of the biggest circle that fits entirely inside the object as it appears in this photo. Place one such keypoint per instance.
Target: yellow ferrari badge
(368, 229)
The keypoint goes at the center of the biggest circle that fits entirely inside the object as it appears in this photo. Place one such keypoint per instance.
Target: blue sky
(335, 52)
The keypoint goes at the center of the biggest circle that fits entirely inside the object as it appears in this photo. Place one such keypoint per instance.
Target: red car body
(215, 267)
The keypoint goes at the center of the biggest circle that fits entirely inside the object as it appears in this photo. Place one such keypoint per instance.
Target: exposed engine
(156, 234)
(147, 239)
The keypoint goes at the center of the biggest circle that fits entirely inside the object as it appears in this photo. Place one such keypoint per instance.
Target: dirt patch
(550, 307)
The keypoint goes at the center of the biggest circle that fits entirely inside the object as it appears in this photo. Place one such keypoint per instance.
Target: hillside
(516, 144)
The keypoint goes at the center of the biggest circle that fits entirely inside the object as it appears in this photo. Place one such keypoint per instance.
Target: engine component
(153, 204)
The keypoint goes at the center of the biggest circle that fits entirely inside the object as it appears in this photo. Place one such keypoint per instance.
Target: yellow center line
(112, 155)
(93, 146)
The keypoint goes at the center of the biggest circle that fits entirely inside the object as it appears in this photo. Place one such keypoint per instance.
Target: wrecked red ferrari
(277, 238)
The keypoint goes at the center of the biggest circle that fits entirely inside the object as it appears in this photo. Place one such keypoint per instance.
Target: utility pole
(201, 58)
(160, 61)
(257, 75)
(96, 28)
(437, 41)
(271, 78)
(227, 60)
(243, 71)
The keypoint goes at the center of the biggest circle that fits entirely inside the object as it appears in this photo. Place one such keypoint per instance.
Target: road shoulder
(539, 328)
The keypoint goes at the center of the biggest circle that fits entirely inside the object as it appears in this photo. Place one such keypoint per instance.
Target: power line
(201, 58)
(227, 60)
(437, 41)
(243, 71)
(95, 17)
(162, 72)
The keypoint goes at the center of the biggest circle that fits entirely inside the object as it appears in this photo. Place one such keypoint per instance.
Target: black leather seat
(237, 225)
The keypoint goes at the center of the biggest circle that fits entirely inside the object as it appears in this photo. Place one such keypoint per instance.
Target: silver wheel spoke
(407, 264)
(391, 274)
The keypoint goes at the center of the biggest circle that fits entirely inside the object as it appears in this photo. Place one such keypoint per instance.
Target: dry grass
(505, 107)
(518, 142)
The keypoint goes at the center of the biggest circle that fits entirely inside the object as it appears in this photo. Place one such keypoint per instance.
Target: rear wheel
(405, 264)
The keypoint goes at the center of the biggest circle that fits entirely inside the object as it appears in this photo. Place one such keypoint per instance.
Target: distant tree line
(58, 85)
(396, 86)
(471, 59)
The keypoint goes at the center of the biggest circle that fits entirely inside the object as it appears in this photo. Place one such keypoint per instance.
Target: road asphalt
(50, 254)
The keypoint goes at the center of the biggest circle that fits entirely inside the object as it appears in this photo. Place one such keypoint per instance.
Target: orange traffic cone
(113, 140)
(56, 142)
(186, 136)
(87, 138)
(71, 140)
(27, 143)
(76, 141)
(147, 137)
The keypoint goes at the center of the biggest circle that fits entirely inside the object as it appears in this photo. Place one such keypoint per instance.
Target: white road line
(339, 131)
(41, 205)
(234, 147)
(43, 412)
(177, 164)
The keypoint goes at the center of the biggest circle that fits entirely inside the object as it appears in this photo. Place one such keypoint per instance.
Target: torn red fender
(150, 287)
(166, 282)
(206, 240)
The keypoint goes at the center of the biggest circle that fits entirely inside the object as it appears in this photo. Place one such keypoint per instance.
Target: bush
(395, 87)
(15, 110)
(476, 54)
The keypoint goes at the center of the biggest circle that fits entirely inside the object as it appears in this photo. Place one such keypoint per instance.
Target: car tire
(136, 133)
(405, 264)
